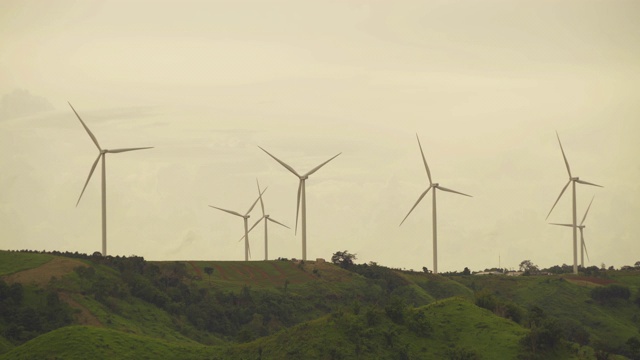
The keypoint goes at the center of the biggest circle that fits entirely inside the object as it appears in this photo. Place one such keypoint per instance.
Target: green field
(12, 262)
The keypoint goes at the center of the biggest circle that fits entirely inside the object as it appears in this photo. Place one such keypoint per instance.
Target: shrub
(609, 293)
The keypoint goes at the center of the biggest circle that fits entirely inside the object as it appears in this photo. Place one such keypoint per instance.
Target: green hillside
(87, 342)
(76, 306)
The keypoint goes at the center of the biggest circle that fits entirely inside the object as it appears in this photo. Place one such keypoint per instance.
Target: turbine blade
(588, 183)
(251, 228)
(115, 151)
(584, 244)
(261, 202)
(586, 212)
(281, 163)
(424, 160)
(453, 191)
(255, 202)
(568, 225)
(93, 167)
(279, 223)
(95, 141)
(563, 155)
(558, 199)
(228, 211)
(319, 166)
(416, 204)
(298, 205)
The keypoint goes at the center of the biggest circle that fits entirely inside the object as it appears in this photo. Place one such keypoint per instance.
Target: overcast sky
(485, 84)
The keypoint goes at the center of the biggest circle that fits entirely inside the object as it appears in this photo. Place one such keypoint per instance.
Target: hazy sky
(485, 84)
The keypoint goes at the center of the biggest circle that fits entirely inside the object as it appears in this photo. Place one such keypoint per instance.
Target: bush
(462, 354)
(608, 294)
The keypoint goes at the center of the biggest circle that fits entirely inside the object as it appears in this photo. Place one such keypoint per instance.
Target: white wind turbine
(245, 217)
(573, 181)
(435, 187)
(302, 199)
(266, 218)
(583, 246)
(101, 155)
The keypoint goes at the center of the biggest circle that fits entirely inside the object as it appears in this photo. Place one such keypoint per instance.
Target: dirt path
(41, 275)
(279, 270)
(586, 281)
(238, 270)
(221, 271)
(197, 269)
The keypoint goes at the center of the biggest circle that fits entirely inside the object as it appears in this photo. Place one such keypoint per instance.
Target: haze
(485, 84)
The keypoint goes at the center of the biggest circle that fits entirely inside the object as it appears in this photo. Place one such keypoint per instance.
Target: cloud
(20, 103)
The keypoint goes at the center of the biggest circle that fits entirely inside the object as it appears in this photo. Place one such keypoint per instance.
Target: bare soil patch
(41, 275)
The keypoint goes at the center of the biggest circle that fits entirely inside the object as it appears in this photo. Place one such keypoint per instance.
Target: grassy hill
(78, 306)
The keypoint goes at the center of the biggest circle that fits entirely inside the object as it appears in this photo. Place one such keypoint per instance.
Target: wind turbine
(572, 180)
(266, 219)
(101, 155)
(302, 199)
(245, 217)
(583, 246)
(434, 186)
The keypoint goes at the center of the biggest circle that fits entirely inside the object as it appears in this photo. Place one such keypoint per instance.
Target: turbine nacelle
(575, 178)
(435, 185)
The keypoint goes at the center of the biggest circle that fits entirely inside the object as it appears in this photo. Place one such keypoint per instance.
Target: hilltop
(76, 306)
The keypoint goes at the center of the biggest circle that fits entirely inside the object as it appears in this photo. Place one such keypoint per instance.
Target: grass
(5, 345)
(456, 322)
(327, 324)
(13, 262)
(84, 342)
(569, 301)
(233, 275)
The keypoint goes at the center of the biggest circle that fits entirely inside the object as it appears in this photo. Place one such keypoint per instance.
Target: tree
(466, 271)
(209, 271)
(424, 268)
(637, 264)
(343, 258)
(528, 267)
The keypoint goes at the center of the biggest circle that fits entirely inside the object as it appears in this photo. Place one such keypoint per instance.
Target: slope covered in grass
(86, 342)
(13, 262)
(567, 298)
(456, 329)
(292, 309)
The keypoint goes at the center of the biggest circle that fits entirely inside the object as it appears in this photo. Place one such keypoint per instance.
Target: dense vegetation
(128, 306)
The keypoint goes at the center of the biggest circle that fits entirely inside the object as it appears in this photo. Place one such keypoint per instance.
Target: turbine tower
(101, 155)
(266, 219)
(245, 217)
(434, 186)
(302, 199)
(572, 180)
(583, 246)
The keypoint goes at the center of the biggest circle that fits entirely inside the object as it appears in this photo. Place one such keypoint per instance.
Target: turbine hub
(266, 216)
(104, 151)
